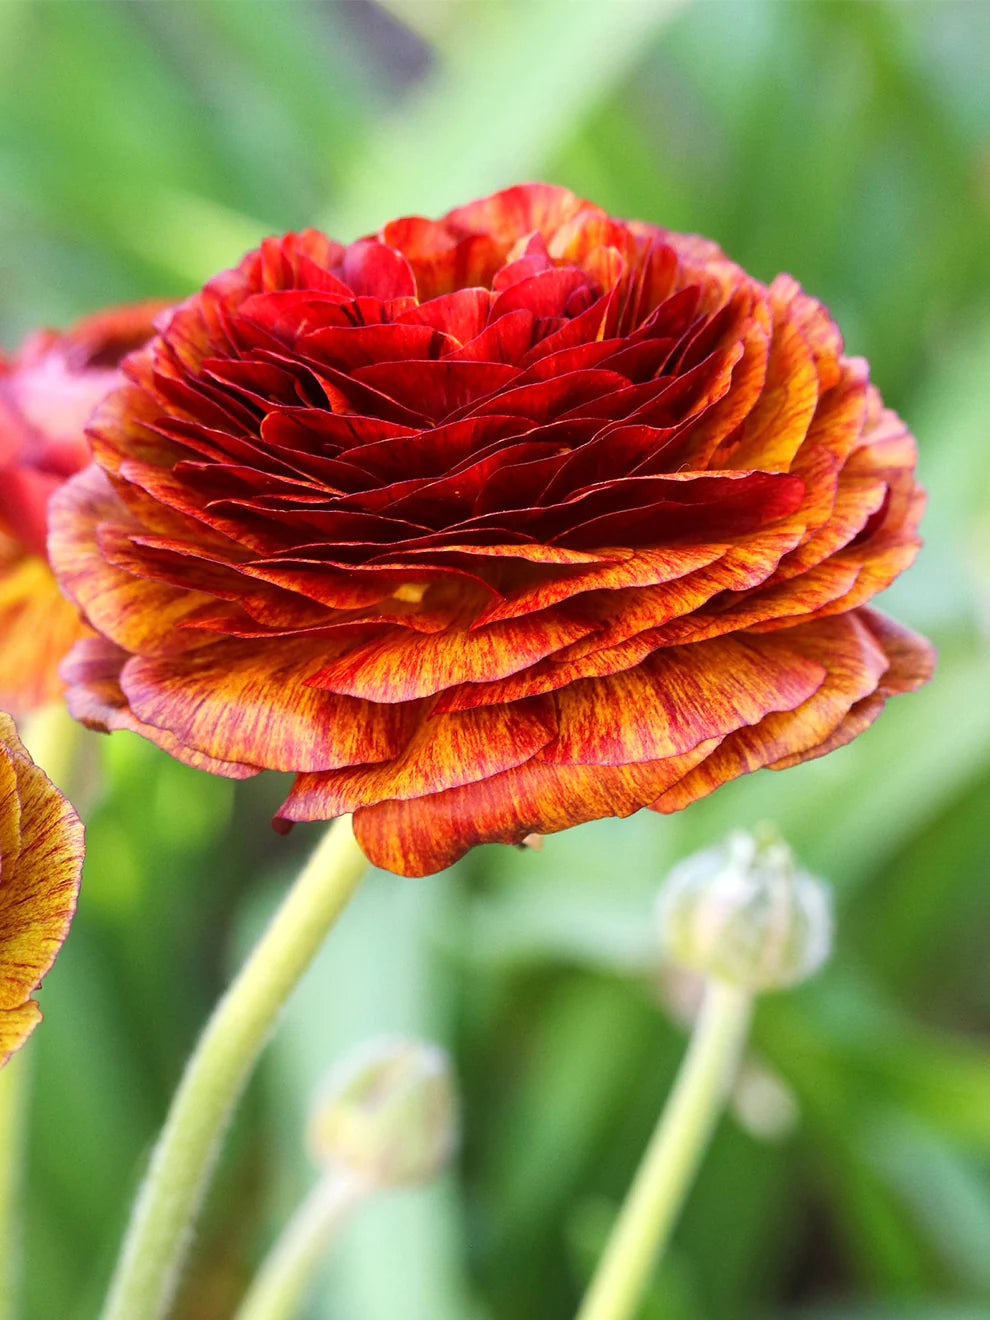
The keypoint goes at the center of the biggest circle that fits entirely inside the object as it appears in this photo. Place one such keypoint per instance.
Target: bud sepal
(746, 913)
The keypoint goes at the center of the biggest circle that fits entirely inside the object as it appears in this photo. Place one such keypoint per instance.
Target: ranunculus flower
(490, 525)
(47, 391)
(41, 853)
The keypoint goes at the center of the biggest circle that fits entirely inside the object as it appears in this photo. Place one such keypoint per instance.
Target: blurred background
(145, 145)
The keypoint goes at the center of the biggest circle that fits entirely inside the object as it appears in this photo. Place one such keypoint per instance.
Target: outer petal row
(864, 658)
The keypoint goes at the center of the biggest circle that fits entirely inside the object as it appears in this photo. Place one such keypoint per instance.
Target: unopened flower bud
(387, 1114)
(746, 913)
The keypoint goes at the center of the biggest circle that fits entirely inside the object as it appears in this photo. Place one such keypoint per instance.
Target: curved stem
(14, 1083)
(148, 1268)
(672, 1157)
(280, 1286)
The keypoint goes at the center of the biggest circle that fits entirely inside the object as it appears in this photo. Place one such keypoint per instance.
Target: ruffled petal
(490, 524)
(424, 835)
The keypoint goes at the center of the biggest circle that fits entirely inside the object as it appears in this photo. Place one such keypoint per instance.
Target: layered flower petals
(426, 834)
(678, 697)
(227, 701)
(95, 697)
(864, 663)
(41, 851)
(446, 751)
(489, 525)
(48, 389)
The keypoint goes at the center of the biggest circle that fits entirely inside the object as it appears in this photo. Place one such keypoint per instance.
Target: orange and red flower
(47, 391)
(41, 853)
(490, 525)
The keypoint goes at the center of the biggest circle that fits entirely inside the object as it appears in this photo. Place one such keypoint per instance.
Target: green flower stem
(286, 1274)
(672, 1158)
(14, 1080)
(148, 1269)
(52, 737)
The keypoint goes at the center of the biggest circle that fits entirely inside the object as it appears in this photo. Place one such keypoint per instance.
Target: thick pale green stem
(286, 1275)
(14, 1079)
(217, 1072)
(672, 1157)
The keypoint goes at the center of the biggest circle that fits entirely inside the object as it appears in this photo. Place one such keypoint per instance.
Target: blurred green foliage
(142, 146)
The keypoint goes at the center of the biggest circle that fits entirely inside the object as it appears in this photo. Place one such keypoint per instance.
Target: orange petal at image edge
(37, 628)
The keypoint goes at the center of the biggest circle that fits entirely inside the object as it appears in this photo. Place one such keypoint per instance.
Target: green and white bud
(744, 912)
(387, 1113)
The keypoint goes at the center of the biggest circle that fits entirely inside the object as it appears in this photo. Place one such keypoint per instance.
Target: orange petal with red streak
(446, 751)
(251, 703)
(679, 697)
(424, 835)
(400, 666)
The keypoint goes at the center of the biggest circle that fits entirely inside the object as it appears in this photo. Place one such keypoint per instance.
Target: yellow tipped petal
(16, 1024)
(41, 852)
